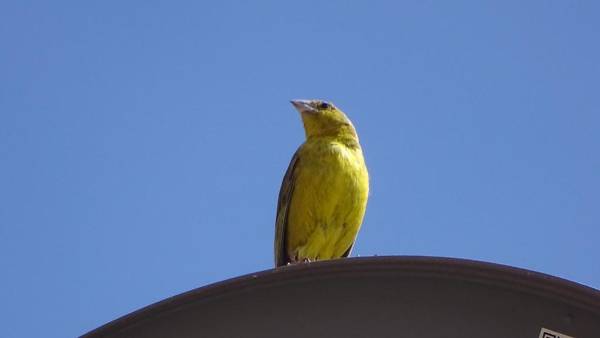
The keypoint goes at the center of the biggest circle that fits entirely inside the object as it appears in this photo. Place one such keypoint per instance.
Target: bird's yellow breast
(329, 200)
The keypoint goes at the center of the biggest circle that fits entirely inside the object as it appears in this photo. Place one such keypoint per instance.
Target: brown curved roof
(387, 296)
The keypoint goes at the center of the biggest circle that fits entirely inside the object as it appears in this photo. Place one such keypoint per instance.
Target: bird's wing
(349, 251)
(283, 204)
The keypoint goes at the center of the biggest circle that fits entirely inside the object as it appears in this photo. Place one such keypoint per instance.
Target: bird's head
(322, 118)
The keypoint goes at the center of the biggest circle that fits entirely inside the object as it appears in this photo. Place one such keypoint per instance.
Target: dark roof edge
(415, 266)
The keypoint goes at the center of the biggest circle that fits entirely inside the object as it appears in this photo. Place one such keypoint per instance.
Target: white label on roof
(545, 333)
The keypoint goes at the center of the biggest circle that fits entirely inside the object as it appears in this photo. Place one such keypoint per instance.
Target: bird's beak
(304, 106)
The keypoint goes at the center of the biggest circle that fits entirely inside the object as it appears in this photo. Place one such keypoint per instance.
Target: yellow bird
(324, 193)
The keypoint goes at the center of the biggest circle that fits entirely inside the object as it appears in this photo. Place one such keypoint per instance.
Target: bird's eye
(324, 105)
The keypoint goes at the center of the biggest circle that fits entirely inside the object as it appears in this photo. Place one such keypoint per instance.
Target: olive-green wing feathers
(283, 204)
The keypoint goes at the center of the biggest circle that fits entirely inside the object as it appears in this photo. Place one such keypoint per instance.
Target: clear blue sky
(143, 143)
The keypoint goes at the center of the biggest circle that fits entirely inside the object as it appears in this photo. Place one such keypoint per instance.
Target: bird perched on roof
(324, 193)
